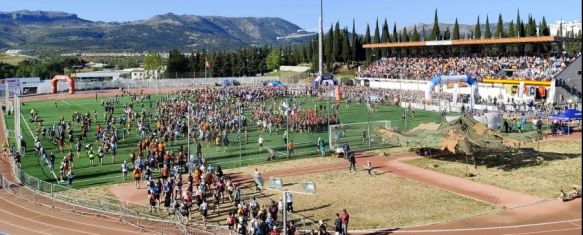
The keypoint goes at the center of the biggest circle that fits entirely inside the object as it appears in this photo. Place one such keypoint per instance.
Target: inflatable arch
(58, 78)
(449, 79)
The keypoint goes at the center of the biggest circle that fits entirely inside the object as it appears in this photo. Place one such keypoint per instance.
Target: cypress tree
(446, 34)
(487, 32)
(395, 37)
(500, 28)
(518, 23)
(415, 35)
(560, 30)
(435, 31)
(345, 46)
(385, 38)
(477, 30)
(456, 31)
(354, 42)
(545, 28)
(337, 43)
(511, 32)
(328, 48)
(376, 39)
(368, 52)
(405, 35)
(424, 34)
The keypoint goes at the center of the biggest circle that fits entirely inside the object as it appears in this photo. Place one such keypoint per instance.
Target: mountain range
(45, 30)
(66, 32)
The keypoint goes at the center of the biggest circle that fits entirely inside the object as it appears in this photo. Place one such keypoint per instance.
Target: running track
(552, 217)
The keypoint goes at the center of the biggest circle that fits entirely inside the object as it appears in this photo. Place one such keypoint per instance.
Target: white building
(574, 25)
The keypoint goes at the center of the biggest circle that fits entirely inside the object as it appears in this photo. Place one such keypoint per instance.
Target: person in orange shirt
(290, 149)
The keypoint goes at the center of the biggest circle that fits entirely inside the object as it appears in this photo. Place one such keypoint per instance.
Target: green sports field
(86, 175)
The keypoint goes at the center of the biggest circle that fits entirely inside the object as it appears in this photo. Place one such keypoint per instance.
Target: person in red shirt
(345, 218)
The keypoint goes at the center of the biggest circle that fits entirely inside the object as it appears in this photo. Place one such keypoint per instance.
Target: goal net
(360, 135)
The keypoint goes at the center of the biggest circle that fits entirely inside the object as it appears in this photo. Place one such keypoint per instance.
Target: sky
(305, 13)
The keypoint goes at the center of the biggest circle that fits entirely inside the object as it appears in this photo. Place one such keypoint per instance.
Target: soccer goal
(359, 135)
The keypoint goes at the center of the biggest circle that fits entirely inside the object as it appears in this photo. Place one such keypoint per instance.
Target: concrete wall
(299, 69)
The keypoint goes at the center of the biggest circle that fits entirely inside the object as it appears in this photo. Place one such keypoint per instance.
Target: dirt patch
(425, 126)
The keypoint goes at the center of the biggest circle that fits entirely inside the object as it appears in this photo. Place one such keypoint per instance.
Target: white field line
(32, 134)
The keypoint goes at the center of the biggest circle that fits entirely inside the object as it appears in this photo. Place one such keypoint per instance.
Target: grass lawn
(13, 60)
(543, 180)
(305, 144)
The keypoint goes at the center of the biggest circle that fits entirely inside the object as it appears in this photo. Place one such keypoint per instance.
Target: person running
(204, 211)
(260, 142)
(124, 170)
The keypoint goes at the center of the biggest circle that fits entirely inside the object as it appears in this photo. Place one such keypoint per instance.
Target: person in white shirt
(124, 169)
(260, 142)
(289, 201)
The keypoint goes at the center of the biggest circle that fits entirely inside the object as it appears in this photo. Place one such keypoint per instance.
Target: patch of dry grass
(542, 180)
(286, 165)
(377, 201)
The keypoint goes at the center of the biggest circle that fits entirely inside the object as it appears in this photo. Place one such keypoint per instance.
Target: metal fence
(45, 88)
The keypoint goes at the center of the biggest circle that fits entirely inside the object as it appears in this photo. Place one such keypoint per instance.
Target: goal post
(357, 134)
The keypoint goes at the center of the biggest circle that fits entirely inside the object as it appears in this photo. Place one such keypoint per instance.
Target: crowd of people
(524, 67)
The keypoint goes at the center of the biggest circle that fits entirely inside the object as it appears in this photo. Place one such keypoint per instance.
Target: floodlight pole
(239, 139)
(284, 203)
(320, 36)
(188, 134)
(287, 124)
(368, 117)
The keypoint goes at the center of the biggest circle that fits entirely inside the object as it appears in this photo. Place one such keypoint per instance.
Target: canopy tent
(569, 114)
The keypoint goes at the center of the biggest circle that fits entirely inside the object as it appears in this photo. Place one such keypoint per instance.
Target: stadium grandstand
(526, 61)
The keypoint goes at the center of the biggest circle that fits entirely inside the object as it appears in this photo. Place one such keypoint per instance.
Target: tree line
(341, 48)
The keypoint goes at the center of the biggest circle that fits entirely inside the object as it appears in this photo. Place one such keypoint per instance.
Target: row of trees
(44, 69)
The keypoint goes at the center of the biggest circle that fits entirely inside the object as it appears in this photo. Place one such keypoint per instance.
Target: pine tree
(456, 31)
(500, 28)
(477, 30)
(395, 37)
(487, 32)
(435, 31)
(545, 28)
(415, 35)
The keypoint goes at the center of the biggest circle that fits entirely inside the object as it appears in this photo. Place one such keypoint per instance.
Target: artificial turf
(86, 175)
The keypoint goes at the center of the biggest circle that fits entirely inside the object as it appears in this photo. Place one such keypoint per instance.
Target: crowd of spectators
(523, 67)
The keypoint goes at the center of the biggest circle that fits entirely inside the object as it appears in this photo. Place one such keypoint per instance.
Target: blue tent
(569, 114)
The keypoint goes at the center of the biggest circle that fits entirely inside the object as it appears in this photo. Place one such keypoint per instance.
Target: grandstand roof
(466, 42)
